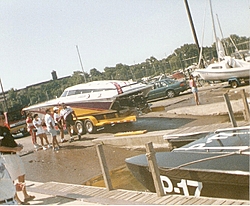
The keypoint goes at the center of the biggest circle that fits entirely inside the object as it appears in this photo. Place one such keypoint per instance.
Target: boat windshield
(222, 141)
(82, 91)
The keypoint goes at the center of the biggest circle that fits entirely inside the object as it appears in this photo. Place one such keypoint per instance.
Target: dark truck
(16, 122)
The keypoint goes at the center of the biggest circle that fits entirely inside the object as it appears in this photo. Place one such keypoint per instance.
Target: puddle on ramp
(121, 178)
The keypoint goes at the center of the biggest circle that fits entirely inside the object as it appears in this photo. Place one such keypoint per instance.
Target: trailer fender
(91, 118)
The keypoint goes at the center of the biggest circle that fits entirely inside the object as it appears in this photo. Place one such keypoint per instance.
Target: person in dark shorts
(67, 114)
(194, 89)
(58, 123)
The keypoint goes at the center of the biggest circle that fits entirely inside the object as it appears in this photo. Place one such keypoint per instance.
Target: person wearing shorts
(194, 89)
(7, 188)
(30, 129)
(50, 123)
(37, 122)
(58, 123)
(67, 114)
(11, 160)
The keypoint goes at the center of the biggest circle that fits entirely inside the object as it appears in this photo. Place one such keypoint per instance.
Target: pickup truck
(16, 122)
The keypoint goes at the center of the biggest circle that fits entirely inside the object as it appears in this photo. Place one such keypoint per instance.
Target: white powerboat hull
(99, 97)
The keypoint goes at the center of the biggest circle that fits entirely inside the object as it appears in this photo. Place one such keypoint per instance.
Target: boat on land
(100, 97)
(99, 103)
(216, 165)
(224, 70)
(227, 68)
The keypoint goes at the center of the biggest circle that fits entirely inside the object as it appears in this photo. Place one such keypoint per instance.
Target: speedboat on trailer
(216, 165)
(100, 97)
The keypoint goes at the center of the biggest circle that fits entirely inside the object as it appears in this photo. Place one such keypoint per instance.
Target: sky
(39, 36)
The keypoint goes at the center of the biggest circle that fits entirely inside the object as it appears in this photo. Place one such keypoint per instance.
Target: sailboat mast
(81, 63)
(221, 34)
(215, 36)
(193, 29)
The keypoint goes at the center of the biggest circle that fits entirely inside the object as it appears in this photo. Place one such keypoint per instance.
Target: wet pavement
(74, 163)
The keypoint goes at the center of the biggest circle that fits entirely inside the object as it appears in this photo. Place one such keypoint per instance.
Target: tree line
(181, 58)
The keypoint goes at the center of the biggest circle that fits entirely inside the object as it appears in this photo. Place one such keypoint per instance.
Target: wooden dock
(100, 195)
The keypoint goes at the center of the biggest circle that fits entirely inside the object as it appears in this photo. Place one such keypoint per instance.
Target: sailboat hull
(223, 75)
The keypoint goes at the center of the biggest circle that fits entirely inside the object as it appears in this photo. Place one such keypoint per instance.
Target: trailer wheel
(25, 132)
(89, 127)
(80, 127)
(234, 84)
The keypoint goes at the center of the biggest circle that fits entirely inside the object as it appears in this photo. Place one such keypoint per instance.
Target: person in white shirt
(58, 123)
(50, 123)
(67, 114)
(37, 122)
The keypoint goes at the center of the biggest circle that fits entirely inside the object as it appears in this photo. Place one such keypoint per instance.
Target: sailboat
(227, 68)
(224, 70)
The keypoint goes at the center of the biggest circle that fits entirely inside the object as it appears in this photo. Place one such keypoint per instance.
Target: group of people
(12, 171)
(65, 117)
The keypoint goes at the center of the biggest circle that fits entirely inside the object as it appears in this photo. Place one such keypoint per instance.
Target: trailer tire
(89, 127)
(25, 132)
(234, 84)
(80, 127)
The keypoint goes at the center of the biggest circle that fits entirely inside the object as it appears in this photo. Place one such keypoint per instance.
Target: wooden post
(246, 106)
(154, 169)
(104, 167)
(230, 110)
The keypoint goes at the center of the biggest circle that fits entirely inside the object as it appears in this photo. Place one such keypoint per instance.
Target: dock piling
(104, 167)
(230, 110)
(154, 169)
(246, 107)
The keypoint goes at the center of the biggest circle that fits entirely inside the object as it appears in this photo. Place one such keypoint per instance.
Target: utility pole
(5, 102)
(81, 63)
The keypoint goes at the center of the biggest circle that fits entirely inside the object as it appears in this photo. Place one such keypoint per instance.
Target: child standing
(37, 122)
(50, 123)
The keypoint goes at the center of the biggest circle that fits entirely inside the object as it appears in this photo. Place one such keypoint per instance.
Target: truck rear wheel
(80, 127)
(234, 84)
(89, 127)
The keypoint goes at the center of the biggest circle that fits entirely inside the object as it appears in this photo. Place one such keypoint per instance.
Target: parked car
(167, 88)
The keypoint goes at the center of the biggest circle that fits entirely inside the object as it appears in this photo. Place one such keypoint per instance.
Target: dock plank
(161, 200)
(182, 201)
(119, 194)
(152, 200)
(144, 198)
